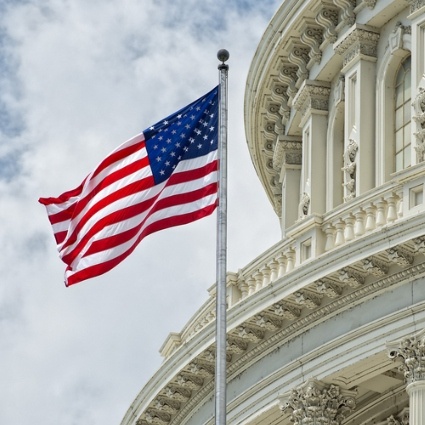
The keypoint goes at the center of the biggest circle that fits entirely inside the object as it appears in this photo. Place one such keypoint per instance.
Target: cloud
(78, 78)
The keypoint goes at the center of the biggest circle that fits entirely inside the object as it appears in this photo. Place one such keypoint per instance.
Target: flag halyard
(164, 177)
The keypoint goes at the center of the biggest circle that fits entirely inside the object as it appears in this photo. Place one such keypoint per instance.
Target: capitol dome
(328, 325)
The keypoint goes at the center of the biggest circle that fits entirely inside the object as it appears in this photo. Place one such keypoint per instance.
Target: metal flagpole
(221, 270)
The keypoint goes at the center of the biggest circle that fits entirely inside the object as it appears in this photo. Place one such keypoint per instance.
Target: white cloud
(77, 79)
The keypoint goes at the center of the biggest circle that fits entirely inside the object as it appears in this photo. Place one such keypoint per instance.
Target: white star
(158, 158)
(212, 128)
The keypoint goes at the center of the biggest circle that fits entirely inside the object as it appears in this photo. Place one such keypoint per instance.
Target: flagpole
(221, 266)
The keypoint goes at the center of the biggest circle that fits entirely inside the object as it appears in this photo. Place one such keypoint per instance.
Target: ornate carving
(328, 19)
(375, 267)
(313, 38)
(370, 3)
(299, 57)
(347, 14)
(179, 394)
(419, 244)
(419, 118)
(190, 382)
(313, 95)
(328, 288)
(307, 299)
(250, 334)
(400, 256)
(236, 345)
(358, 42)
(269, 323)
(401, 418)
(350, 170)
(288, 76)
(303, 206)
(351, 278)
(315, 403)
(416, 5)
(285, 310)
(411, 351)
(288, 151)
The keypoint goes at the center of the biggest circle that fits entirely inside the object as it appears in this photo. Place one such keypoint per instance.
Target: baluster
(380, 214)
(251, 285)
(329, 232)
(339, 239)
(349, 228)
(243, 287)
(274, 270)
(392, 211)
(258, 280)
(265, 271)
(359, 227)
(370, 218)
(282, 265)
(290, 260)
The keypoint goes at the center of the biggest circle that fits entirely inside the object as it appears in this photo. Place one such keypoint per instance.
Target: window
(402, 116)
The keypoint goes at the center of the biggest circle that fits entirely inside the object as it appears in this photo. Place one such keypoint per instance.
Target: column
(359, 52)
(312, 101)
(316, 403)
(411, 352)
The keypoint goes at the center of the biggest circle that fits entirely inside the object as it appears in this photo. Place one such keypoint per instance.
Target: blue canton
(190, 132)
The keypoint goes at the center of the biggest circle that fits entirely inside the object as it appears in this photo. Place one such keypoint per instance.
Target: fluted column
(411, 352)
(315, 403)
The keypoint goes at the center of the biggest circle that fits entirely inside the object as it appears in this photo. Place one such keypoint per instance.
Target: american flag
(164, 177)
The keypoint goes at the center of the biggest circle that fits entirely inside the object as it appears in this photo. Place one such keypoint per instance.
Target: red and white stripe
(98, 224)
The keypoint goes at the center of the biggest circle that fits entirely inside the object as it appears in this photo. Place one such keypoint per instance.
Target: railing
(315, 235)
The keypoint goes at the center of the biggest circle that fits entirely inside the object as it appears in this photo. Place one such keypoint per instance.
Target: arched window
(402, 116)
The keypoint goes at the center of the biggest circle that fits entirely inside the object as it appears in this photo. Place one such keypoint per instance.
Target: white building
(328, 326)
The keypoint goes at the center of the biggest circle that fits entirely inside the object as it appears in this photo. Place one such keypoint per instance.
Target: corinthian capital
(315, 403)
(411, 352)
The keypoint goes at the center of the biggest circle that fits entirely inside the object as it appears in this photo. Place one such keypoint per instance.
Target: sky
(78, 78)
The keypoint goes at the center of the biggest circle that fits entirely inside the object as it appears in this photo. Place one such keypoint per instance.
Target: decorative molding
(312, 36)
(400, 256)
(313, 95)
(351, 278)
(329, 288)
(416, 5)
(375, 267)
(308, 299)
(347, 7)
(316, 403)
(359, 42)
(288, 151)
(328, 19)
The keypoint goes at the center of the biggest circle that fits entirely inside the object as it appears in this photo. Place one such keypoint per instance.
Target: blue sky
(78, 78)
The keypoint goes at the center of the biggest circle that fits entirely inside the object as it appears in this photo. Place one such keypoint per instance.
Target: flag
(164, 177)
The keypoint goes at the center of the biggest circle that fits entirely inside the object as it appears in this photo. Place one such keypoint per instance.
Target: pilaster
(287, 160)
(312, 101)
(359, 52)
